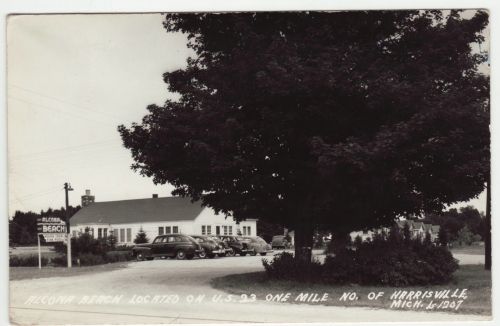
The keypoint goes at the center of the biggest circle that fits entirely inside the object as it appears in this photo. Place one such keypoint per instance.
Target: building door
(217, 230)
(158, 246)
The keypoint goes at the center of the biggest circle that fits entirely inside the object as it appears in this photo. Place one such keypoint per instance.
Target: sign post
(67, 188)
(39, 252)
(52, 229)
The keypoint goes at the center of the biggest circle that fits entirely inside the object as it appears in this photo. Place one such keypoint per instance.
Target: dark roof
(138, 210)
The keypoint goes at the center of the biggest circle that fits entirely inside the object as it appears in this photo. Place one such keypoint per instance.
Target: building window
(246, 230)
(224, 228)
(168, 230)
(230, 230)
(206, 230)
(175, 229)
(122, 235)
(74, 234)
(129, 235)
(99, 233)
(160, 230)
(105, 233)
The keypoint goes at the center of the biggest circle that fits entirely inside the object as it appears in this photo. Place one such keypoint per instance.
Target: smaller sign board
(54, 237)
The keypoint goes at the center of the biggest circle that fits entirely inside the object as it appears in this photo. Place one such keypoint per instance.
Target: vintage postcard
(249, 167)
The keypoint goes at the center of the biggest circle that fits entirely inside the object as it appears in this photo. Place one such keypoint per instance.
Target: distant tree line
(462, 226)
(23, 228)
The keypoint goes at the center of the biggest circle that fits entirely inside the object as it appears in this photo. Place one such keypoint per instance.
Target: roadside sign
(54, 237)
(53, 229)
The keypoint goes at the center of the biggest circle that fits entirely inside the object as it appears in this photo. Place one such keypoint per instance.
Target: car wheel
(139, 256)
(253, 253)
(263, 253)
(202, 254)
(211, 256)
(180, 255)
(230, 252)
(189, 257)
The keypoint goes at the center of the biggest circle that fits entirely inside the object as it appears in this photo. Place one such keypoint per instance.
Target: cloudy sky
(72, 79)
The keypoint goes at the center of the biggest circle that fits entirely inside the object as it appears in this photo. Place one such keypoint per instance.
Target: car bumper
(219, 251)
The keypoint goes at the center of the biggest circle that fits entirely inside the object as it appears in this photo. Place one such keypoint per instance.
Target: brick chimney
(87, 199)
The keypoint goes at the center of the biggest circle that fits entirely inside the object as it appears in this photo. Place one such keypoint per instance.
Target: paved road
(178, 278)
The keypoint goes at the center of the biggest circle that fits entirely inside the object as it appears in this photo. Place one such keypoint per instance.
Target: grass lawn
(474, 278)
(469, 250)
(22, 273)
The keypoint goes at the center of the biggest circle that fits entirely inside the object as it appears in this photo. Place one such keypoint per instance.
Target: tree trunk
(487, 241)
(303, 239)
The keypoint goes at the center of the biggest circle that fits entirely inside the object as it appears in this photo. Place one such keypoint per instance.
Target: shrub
(85, 244)
(117, 256)
(25, 261)
(123, 248)
(392, 259)
(285, 267)
(59, 261)
(141, 237)
(395, 261)
(91, 260)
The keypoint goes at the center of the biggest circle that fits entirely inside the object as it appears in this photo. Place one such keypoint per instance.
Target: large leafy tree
(339, 120)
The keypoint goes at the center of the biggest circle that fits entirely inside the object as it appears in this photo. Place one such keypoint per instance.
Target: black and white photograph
(271, 166)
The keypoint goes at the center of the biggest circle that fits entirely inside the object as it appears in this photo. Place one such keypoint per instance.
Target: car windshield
(159, 239)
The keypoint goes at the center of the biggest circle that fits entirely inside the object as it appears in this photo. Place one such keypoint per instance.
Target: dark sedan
(169, 245)
(209, 246)
(237, 243)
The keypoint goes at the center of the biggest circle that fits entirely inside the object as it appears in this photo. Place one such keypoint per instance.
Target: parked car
(237, 243)
(280, 242)
(257, 245)
(209, 246)
(179, 246)
(228, 251)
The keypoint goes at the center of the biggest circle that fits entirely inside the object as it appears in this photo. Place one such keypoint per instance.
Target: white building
(416, 228)
(156, 216)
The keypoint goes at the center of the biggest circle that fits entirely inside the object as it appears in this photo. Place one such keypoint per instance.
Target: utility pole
(487, 241)
(67, 187)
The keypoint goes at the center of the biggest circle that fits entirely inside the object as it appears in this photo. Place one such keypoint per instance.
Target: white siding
(207, 217)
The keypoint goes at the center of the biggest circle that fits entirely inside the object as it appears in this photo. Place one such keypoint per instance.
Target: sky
(71, 80)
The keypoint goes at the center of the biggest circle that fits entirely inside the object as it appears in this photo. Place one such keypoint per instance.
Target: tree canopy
(342, 120)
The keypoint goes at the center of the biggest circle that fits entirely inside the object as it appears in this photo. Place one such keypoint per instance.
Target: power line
(65, 102)
(37, 105)
(20, 156)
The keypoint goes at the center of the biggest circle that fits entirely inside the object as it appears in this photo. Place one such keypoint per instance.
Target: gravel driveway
(170, 279)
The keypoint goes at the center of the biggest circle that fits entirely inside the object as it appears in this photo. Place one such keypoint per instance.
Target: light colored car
(257, 245)
(280, 242)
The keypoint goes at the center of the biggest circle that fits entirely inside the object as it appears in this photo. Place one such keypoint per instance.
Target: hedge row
(84, 259)
(385, 261)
